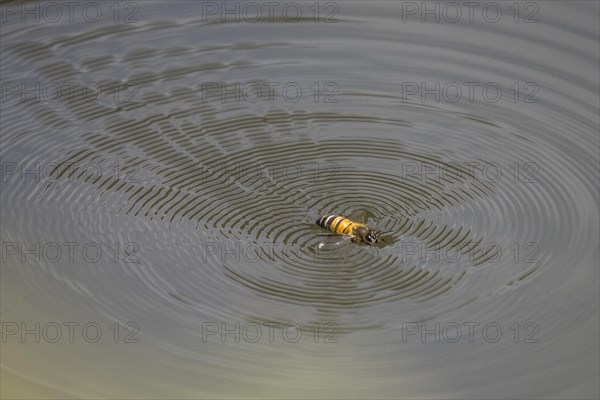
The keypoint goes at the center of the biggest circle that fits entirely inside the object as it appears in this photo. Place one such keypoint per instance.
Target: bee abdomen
(335, 224)
(326, 221)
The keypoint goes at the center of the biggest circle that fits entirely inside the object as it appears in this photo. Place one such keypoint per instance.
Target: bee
(360, 233)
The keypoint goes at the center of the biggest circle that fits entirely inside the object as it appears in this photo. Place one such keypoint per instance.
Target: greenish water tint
(158, 197)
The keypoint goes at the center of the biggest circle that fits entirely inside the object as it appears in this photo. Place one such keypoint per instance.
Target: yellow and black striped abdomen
(338, 224)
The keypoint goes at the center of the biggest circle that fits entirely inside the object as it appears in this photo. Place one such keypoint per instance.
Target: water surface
(189, 206)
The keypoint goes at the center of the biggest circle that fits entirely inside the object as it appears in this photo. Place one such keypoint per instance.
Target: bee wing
(359, 216)
(332, 242)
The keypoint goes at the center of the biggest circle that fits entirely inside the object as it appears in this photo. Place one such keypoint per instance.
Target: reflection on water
(162, 171)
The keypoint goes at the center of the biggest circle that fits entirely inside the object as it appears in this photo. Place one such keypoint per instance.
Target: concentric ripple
(270, 192)
(205, 206)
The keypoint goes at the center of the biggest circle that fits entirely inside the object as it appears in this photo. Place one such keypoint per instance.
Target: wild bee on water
(358, 232)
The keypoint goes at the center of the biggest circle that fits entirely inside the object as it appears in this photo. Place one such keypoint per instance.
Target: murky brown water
(162, 172)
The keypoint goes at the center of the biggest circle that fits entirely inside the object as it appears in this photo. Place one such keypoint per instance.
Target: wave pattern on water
(157, 161)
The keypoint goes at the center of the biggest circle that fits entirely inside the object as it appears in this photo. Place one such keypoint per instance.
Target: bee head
(372, 237)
